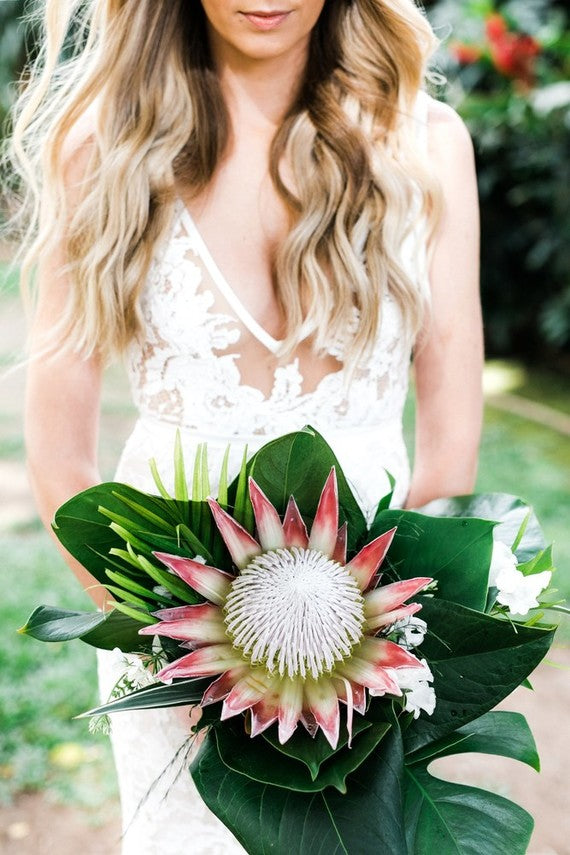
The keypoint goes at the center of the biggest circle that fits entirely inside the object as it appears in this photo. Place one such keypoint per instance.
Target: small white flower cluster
(136, 673)
(517, 592)
(419, 694)
(415, 681)
(410, 631)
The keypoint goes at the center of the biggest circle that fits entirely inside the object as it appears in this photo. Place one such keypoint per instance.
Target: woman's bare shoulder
(77, 152)
(80, 142)
(448, 135)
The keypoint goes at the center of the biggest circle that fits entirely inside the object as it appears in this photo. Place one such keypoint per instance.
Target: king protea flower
(297, 629)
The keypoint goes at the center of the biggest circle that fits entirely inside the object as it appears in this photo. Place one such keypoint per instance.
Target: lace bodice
(188, 369)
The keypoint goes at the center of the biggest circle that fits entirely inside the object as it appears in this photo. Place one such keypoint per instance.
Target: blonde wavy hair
(348, 141)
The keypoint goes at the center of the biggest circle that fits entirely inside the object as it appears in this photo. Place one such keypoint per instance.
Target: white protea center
(296, 611)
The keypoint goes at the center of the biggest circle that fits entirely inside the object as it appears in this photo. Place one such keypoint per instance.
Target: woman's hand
(449, 358)
(63, 389)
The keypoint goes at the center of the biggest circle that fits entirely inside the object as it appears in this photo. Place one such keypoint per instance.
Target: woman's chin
(266, 46)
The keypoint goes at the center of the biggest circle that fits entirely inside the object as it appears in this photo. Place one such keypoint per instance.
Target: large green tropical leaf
(507, 510)
(456, 552)
(100, 629)
(476, 660)
(453, 819)
(50, 623)
(313, 752)
(97, 526)
(445, 817)
(86, 533)
(503, 733)
(252, 758)
(118, 630)
(267, 819)
(298, 464)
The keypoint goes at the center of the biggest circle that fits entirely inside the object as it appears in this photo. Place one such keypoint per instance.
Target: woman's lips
(265, 20)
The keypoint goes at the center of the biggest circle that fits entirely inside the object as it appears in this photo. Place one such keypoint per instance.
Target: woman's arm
(449, 359)
(62, 392)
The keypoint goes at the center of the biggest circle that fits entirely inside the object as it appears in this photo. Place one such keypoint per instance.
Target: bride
(258, 205)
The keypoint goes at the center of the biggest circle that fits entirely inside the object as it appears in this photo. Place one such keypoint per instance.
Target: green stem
(563, 609)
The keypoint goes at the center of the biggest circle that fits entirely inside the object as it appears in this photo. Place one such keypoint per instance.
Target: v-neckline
(223, 285)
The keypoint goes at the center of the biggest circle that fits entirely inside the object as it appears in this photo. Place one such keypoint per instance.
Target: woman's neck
(258, 92)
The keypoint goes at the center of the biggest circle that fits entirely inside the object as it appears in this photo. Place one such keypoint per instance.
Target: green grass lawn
(43, 686)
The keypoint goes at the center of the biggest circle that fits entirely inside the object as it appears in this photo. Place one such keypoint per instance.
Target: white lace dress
(191, 373)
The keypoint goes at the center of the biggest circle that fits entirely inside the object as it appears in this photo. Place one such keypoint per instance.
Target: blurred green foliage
(12, 51)
(508, 72)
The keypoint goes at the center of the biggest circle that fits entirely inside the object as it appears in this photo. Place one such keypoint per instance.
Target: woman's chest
(195, 325)
(243, 222)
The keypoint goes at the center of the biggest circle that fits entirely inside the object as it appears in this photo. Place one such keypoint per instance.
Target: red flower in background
(496, 27)
(513, 54)
(464, 53)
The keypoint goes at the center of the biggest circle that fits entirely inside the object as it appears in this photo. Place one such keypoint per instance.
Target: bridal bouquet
(333, 661)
